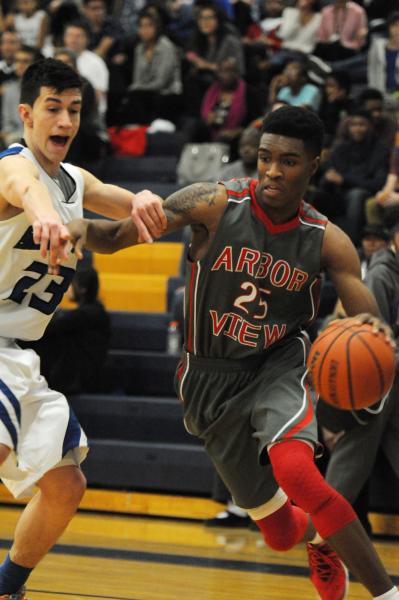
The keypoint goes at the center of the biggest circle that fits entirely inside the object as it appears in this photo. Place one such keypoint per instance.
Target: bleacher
(135, 428)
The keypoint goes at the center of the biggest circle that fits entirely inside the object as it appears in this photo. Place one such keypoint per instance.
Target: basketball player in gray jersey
(41, 441)
(254, 269)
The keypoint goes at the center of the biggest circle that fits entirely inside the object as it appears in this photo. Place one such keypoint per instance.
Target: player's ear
(25, 112)
(314, 165)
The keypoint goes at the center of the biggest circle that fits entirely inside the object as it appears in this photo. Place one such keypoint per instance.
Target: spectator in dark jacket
(357, 168)
(74, 349)
(355, 437)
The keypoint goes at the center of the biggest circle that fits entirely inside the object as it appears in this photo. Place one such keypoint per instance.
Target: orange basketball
(351, 367)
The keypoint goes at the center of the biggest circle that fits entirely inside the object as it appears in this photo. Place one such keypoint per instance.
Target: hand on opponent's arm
(20, 187)
(200, 203)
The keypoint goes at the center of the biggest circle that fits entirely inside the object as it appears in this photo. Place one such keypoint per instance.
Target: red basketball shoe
(327, 572)
(16, 596)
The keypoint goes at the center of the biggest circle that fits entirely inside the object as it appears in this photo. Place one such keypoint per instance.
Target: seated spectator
(355, 169)
(11, 123)
(61, 12)
(271, 21)
(373, 239)
(292, 87)
(30, 23)
(91, 142)
(211, 43)
(342, 38)
(385, 126)
(90, 65)
(8, 46)
(336, 103)
(105, 31)
(259, 39)
(181, 21)
(298, 31)
(229, 104)
(74, 349)
(127, 13)
(383, 62)
(343, 30)
(246, 165)
(383, 208)
(156, 88)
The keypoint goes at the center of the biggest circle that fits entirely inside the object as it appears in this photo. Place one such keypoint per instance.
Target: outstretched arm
(21, 188)
(197, 204)
(116, 202)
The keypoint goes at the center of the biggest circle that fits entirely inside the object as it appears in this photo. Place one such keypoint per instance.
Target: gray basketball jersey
(28, 294)
(258, 283)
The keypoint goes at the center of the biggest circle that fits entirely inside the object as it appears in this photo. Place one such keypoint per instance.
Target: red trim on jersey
(244, 192)
(311, 219)
(306, 419)
(191, 307)
(262, 216)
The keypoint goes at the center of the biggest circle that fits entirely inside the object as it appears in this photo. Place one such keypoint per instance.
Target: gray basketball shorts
(238, 408)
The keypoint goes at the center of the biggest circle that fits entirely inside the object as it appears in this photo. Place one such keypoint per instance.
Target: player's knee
(284, 528)
(77, 487)
(65, 485)
(295, 471)
(291, 461)
(4, 452)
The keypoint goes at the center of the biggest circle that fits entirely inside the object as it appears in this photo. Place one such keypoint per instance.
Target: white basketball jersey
(28, 294)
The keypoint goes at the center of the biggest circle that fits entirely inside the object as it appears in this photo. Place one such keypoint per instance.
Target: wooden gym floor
(106, 556)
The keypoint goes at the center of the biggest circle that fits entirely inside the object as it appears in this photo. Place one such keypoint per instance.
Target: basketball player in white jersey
(41, 442)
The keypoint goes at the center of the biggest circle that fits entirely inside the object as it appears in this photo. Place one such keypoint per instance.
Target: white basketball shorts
(35, 422)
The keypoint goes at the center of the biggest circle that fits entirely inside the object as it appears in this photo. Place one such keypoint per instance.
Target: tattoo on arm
(183, 201)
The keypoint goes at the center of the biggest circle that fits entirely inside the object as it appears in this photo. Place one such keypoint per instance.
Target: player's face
(52, 123)
(284, 171)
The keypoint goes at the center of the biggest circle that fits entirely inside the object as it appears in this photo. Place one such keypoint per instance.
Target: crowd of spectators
(213, 68)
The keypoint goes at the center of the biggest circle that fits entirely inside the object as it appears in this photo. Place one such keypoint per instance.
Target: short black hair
(378, 231)
(342, 78)
(359, 111)
(82, 24)
(295, 122)
(48, 72)
(86, 284)
(369, 94)
(34, 52)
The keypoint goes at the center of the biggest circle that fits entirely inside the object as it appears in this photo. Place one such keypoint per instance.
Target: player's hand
(378, 326)
(148, 216)
(78, 234)
(52, 236)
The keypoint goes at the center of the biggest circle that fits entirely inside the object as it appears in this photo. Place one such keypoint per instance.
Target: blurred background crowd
(211, 70)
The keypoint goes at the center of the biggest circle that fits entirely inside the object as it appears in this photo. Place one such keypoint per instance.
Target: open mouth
(59, 140)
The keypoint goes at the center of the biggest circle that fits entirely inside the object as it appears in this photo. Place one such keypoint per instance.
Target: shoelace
(320, 562)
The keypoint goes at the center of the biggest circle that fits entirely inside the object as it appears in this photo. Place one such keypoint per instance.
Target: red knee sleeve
(296, 473)
(284, 528)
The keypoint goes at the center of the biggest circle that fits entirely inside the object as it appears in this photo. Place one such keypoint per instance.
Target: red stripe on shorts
(306, 419)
